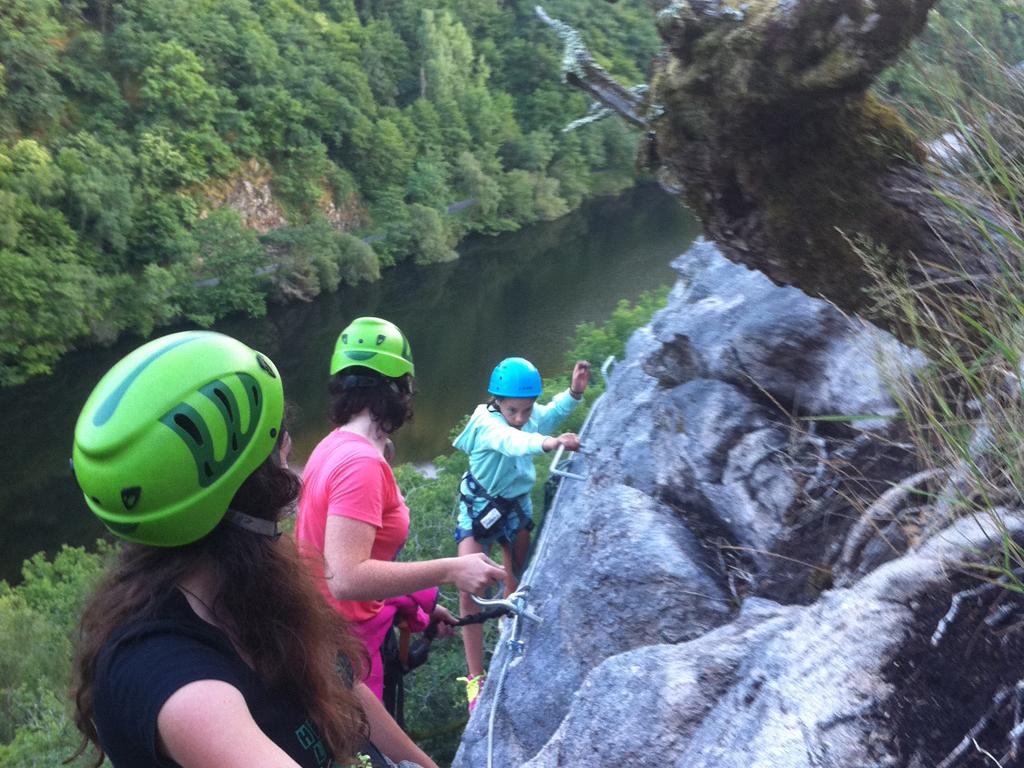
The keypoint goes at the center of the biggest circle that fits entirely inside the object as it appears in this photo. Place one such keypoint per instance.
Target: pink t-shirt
(347, 476)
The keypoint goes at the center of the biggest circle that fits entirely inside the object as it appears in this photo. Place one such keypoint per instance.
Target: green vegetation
(150, 150)
(951, 62)
(39, 616)
(37, 623)
(964, 412)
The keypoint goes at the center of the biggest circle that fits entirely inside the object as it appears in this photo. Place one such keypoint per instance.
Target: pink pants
(415, 609)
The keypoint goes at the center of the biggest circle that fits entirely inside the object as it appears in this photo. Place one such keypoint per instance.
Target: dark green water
(518, 294)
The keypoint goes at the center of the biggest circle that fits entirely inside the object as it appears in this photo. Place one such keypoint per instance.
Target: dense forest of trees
(122, 125)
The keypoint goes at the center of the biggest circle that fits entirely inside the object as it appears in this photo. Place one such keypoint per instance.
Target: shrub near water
(38, 618)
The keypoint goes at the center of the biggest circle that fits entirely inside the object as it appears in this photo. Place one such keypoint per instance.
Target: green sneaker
(473, 685)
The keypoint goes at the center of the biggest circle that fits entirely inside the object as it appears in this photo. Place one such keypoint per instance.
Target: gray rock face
(780, 686)
(684, 584)
(614, 608)
(733, 324)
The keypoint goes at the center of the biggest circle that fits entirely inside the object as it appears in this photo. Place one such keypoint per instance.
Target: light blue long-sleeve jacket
(500, 456)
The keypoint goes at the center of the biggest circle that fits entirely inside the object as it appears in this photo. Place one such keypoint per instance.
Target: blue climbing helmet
(172, 431)
(515, 377)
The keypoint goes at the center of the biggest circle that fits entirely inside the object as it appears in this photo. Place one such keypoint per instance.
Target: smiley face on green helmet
(172, 431)
(373, 343)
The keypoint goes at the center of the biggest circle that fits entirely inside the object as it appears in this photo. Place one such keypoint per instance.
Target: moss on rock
(777, 144)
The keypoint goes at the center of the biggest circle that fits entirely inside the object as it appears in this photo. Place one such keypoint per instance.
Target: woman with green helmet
(205, 644)
(352, 516)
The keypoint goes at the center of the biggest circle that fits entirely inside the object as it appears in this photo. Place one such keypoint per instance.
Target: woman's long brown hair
(278, 620)
(389, 401)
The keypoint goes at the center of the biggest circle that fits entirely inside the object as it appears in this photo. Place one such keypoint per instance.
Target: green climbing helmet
(172, 431)
(373, 343)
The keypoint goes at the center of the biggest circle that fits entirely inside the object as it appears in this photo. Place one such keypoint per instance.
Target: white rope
(494, 710)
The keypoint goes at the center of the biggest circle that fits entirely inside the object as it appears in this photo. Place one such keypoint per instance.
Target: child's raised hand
(580, 378)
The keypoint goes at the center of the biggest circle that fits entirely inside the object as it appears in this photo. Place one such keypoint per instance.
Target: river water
(518, 294)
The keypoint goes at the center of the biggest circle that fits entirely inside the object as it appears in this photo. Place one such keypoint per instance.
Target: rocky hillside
(745, 578)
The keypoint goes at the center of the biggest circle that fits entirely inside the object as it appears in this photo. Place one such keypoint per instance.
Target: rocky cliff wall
(721, 589)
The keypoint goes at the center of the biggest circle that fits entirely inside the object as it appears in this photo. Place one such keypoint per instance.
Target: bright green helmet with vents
(172, 431)
(373, 343)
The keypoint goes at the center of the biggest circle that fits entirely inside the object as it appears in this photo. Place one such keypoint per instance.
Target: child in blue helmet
(501, 438)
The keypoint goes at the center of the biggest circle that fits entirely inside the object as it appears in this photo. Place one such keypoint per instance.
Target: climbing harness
(402, 655)
(517, 604)
(393, 694)
(489, 522)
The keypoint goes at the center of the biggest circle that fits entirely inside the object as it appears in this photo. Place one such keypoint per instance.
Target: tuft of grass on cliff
(965, 411)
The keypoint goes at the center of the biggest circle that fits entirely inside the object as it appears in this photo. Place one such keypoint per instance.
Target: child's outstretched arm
(508, 440)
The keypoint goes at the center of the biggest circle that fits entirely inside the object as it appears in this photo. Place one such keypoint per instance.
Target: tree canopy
(121, 125)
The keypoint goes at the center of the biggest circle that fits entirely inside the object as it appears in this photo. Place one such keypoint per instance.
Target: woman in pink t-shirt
(351, 511)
